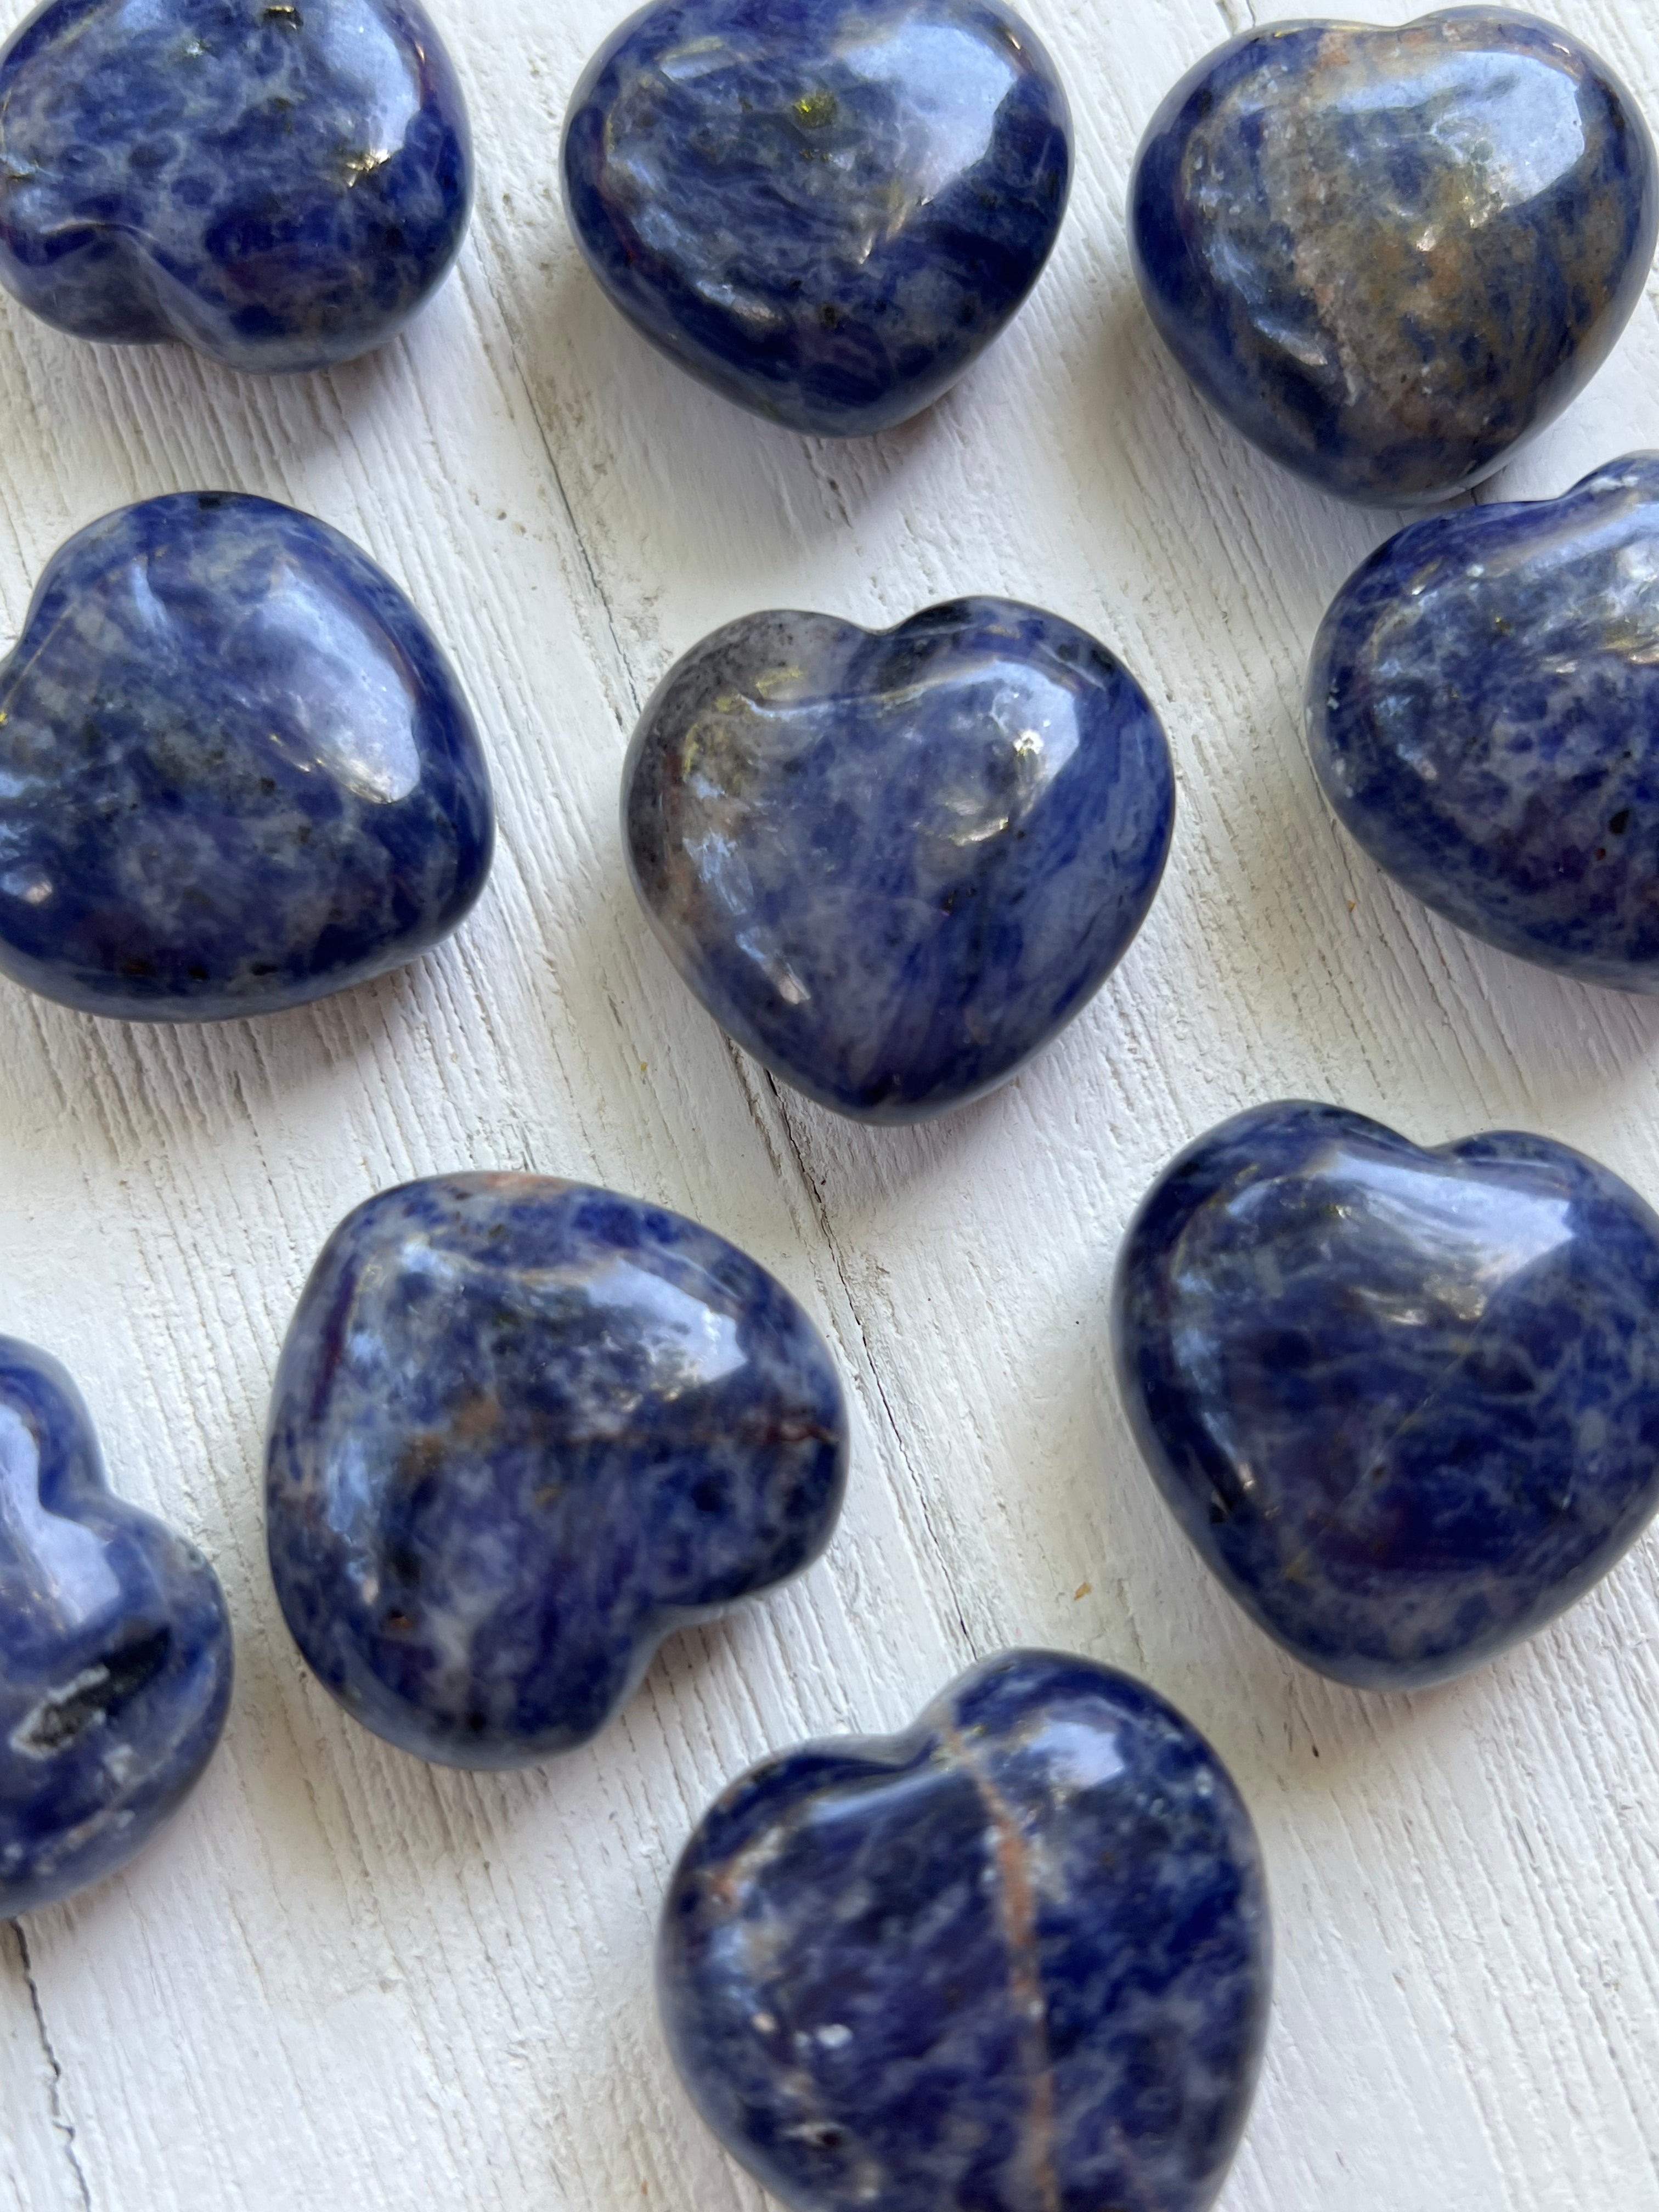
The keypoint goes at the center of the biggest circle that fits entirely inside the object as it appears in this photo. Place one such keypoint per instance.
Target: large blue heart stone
(894, 865)
(522, 1430)
(1405, 1403)
(280, 187)
(115, 1650)
(1483, 714)
(824, 209)
(1388, 255)
(236, 772)
(1016, 1960)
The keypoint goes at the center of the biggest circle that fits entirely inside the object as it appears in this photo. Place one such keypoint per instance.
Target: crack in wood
(62, 2124)
(590, 566)
(832, 1245)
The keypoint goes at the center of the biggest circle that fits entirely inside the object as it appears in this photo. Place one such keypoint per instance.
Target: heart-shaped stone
(1405, 1403)
(1387, 255)
(280, 187)
(115, 1650)
(1015, 1960)
(825, 211)
(894, 865)
(236, 771)
(1483, 714)
(522, 1430)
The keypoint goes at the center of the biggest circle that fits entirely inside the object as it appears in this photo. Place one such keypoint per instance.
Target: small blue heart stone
(115, 1650)
(1388, 255)
(894, 865)
(279, 187)
(1405, 1403)
(1016, 1960)
(236, 771)
(824, 209)
(522, 1430)
(1483, 714)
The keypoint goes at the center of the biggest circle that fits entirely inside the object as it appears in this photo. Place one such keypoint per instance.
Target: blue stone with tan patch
(1389, 254)
(522, 1431)
(1016, 1960)
(1483, 714)
(115, 1650)
(894, 865)
(281, 187)
(1404, 1402)
(826, 210)
(236, 770)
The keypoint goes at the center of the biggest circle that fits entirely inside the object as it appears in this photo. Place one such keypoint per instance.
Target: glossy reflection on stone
(1405, 1403)
(279, 187)
(236, 772)
(824, 209)
(115, 1650)
(894, 865)
(522, 1430)
(1015, 1960)
(1483, 714)
(1387, 255)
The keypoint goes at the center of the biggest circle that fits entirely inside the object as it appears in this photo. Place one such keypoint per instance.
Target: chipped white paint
(345, 1980)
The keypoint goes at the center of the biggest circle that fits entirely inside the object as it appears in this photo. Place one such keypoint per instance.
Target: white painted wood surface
(345, 1980)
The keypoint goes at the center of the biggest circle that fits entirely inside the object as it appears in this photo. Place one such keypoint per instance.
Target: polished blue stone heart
(894, 865)
(115, 1650)
(824, 209)
(1405, 1403)
(522, 1430)
(1388, 255)
(236, 772)
(1016, 1960)
(280, 187)
(1483, 714)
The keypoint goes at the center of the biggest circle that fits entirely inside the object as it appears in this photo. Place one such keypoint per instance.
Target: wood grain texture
(345, 1979)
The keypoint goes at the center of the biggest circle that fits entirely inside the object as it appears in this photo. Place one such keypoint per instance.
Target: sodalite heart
(824, 209)
(115, 1650)
(236, 772)
(522, 1430)
(1015, 1960)
(894, 865)
(280, 187)
(1405, 1403)
(1388, 255)
(1483, 714)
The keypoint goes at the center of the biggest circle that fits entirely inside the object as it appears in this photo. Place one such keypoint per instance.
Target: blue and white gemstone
(894, 865)
(1388, 255)
(522, 1430)
(824, 209)
(1483, 714)
(236, 770)
(1016, 1960)
(281, 187)
(1404, 1402)
(115, 1650)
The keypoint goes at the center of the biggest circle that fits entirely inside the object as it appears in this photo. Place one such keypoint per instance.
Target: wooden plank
(345, 1978)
